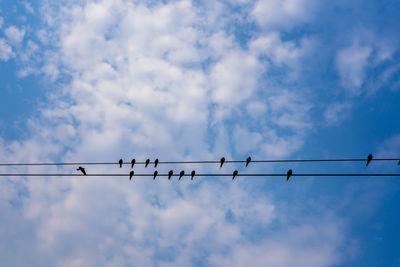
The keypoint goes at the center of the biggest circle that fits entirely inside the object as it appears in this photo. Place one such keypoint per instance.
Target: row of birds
(170, 173)
(193, 173)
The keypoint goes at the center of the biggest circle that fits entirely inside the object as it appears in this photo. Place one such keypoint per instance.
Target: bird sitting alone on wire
(133, 161)
(235, 172)
(170, 174)
(147, 162)
(192, 175)
(369, 159)
(155, 175)
(398, 163)
(120, 163)
(82, 170)
(248, 161)
(288, 174)
(222, 160)
(182, 173)
(130, 175)
(155, 163)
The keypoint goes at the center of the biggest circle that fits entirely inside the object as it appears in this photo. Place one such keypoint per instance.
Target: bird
(155, 163)
(130, 175)
(248, 161)
(235, 172)
(155, 175)
(369, 159)
(170, 174)
(82, 170)
(147, 162)
(398, 163)
(192, 174)
(133, 161)
(288, 174)
(222, 160)
(120, 163)
(182, 173)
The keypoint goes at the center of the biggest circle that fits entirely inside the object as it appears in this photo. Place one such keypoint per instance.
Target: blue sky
(187, 80)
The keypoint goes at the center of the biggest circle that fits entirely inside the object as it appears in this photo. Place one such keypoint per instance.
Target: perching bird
(155, 163)
(155, 175)
(120, 163)
(222, 160)
(170, 174)
(133, 161)
(235, 172)
(288, 174)
(82, 170)
(398, 163)
(182, 173)
(248, 161)
(369, 159)
(130, 175)
(192, 174)
(147, 162)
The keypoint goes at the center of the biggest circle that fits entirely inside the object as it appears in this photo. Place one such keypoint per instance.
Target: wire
(197, 162)
(210, 175)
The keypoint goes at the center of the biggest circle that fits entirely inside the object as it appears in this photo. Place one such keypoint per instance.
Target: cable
(209, 175)
(198, 162)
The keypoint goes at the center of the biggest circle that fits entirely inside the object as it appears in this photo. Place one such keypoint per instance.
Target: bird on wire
(120, 163)
(192, 175)
(155, 175)
(398, 163)
(131, 175)
(170, 174)
(147, 163)
(182, 173)
(155, 163)
(234, 174)
(288, 174)
(248, 161)
(82, 170)
(369, 158)
(133, 161)
(222, 160)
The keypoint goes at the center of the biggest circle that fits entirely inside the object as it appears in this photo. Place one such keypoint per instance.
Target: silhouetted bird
(147, 162)
(235, 172)
(182, 173)
(155, 163)
(130, 175)
(248, 161)
(288, 174)
(155, 175)
(192, 174)
(82, 170)
(369, 159)
(398, 163)
(133, 161)
(120, 163)
(170, 174)
(222, 160)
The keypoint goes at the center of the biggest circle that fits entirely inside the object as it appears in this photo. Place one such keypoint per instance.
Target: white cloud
(5, 50)
(14, 34)
(147, 81)
(335, 113)
(283, 14)
(352, 65)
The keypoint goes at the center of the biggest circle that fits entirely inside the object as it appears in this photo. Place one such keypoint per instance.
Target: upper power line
(221, 162)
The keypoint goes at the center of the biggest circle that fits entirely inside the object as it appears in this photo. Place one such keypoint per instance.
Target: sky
(94, 81)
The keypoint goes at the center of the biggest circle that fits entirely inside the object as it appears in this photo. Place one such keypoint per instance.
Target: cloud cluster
(167, 80)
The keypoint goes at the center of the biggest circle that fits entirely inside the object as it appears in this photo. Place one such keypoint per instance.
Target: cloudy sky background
(198, 80)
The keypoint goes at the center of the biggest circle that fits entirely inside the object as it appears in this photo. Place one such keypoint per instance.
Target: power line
(207, 175)
(199, 162)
